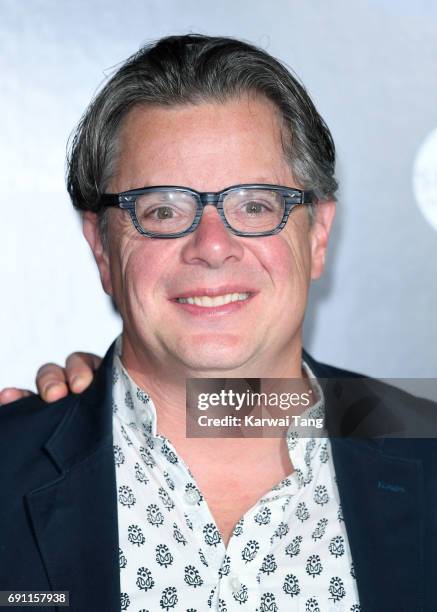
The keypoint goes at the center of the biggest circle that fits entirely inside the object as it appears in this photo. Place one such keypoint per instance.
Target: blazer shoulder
(29, 422)
(325, 370)
(384, 388)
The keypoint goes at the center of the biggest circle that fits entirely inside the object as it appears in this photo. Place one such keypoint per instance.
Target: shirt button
(191, 497)
(234, 583)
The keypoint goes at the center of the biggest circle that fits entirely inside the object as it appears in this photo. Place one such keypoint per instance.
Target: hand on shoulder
(54, 381)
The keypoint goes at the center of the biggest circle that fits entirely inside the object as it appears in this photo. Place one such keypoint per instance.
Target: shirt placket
(248, 552)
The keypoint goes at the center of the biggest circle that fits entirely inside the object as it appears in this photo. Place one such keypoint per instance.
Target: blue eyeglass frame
(126, 200)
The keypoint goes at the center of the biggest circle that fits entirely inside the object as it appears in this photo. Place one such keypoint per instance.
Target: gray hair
(192, 69)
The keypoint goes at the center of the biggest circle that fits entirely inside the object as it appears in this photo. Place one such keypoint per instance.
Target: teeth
(218, 300)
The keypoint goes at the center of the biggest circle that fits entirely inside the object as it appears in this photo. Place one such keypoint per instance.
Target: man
(205, 177)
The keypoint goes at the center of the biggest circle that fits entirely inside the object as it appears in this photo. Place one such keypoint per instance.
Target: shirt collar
(132, 404)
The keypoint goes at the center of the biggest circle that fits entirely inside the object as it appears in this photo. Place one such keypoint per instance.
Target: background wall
(370, 67)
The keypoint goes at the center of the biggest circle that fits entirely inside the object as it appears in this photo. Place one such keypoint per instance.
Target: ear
(319, 233)
(91, 231)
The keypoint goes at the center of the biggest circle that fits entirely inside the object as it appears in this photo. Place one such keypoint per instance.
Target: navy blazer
(58, 503)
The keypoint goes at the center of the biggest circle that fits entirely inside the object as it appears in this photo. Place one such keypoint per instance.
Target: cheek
(138, 267)
(125, 267)
(286, 257)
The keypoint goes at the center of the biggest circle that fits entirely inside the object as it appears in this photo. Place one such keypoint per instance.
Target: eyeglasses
(172, 212)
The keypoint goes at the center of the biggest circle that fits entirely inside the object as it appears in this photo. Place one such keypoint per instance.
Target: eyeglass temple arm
(308, 197)
(114, 199)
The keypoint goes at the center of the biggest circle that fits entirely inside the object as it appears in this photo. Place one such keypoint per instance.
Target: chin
(225, 352)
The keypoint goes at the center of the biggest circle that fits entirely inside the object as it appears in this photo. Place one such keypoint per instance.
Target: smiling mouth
(207, 301)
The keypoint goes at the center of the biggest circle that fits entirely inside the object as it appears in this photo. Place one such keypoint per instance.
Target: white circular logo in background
(425, 178)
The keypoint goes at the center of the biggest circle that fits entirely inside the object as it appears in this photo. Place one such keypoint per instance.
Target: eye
(157, 213)
(163, 212)
(255, 207)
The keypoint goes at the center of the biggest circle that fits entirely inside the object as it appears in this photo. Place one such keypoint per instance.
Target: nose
(212, 244)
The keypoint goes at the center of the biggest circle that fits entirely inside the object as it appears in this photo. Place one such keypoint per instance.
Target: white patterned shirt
(288, 553)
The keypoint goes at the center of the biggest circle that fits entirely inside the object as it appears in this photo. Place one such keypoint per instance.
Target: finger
(51, 383)
(79, 369)
(11, 394)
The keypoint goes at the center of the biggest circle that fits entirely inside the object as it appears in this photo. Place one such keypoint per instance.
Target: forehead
(207, 146)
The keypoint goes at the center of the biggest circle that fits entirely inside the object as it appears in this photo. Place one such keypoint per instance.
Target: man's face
(208, 147)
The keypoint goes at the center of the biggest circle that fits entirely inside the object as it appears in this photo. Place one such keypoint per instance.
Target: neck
(166, 385)
(164, 378)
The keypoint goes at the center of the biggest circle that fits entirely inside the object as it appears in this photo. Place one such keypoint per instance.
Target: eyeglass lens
(246, 210)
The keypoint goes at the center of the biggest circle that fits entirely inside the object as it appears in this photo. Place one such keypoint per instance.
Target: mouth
(206, 301)
(212, 302)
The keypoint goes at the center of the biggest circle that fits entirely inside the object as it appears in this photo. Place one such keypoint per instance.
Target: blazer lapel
(74, 518)
(382, 499)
